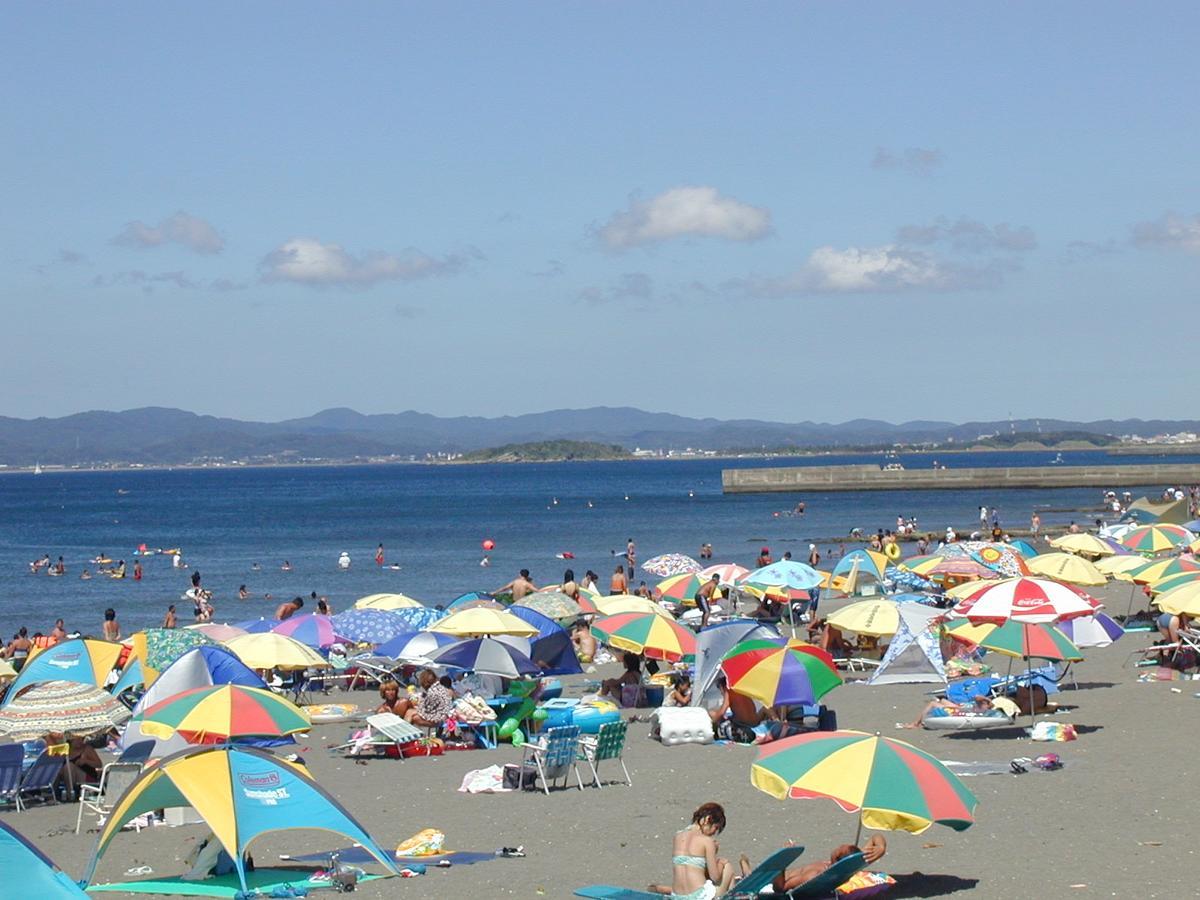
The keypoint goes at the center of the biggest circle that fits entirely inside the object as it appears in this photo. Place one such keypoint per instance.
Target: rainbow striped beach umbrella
(653, 636)
(219, 713)
(1169, 584)
(1156, 538)
(893, 785)
(780, 674)
(1023, 640)
(313, 629)
(681, 587)
(1160, 569)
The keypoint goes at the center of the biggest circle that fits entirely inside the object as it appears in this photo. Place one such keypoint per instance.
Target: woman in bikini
(698, 873)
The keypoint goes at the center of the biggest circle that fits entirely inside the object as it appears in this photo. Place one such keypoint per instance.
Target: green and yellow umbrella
(893, 785)
(219, 713)
(1162, 585)
(778, 674)
(653, 636)
(1156, 538)
(1120, 566)
(682, 587)
(1159, 569)
(1182, 601)
(1020, 640)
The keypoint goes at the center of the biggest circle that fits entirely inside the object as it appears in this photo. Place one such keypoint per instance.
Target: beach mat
(262, 880)
(357, 856)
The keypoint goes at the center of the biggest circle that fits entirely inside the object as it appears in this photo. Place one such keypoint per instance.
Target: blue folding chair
(12, 760)
(40, 779)
(761, 876)
(555, 756)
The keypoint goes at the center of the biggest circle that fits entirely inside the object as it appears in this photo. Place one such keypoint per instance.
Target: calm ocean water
(431, 520)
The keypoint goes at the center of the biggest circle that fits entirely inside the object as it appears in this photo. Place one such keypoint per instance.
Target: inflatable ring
(892, 551)
(590, 716)
(331, 712)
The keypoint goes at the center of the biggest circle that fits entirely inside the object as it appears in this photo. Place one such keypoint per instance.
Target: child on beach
(698, 873)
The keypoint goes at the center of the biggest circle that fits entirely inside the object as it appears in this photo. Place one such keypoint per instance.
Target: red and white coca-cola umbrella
(1030, 600)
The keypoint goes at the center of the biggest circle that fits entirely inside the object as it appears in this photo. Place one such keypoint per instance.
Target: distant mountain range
(158, 436)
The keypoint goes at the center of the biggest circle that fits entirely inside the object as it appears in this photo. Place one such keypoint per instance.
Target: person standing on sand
(704, 597)
(170, 620)
(518, 587)
(287, 610)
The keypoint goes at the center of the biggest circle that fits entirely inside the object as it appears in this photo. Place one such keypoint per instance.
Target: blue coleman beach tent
(32, 869)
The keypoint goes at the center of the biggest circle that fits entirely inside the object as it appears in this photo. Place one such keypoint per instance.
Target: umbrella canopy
(82, 660)
(1160, 569)
(1027, 600)
(216, 714)
(787, 573)
(217, 631)
(653, 636)
(1169, 584)
(61, 706)
(773, 592)
(871, 563)
(414, 648)
(274, 651)
(481, 620)
(554, 604)
(387, 601)
(871, 617)
(552, 650)
(727, 573)
(157, 648)
(371, 626)
(934, 566)
(486, 656)
(628, 603)
(1182, 601)
(775, 674)
(1024, 640)
(313, 629)
(895, 786)
(1067, 567)
(1156, 538)
(1092, 631)
(39, 876)
(256, 626)
(671, 564)
(473, 600)
(420, 616)
(1085, 544)
(1117, 565)
(1025, 548)
(681, 587)
(241, 794)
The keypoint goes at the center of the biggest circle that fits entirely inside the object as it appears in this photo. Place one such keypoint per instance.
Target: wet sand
(1117, 821)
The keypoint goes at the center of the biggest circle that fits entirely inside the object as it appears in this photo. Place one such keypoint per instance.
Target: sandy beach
(1115, 821)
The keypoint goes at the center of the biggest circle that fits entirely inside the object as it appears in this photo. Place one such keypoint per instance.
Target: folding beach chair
(609, 743)
(100, 798)
(12, 758)
(827, 883)
(386, 731)
(555, 756)
(761, 876)
(40, 779)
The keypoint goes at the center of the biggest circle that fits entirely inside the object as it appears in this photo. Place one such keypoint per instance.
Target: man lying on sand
(980, 706)
(873, 850)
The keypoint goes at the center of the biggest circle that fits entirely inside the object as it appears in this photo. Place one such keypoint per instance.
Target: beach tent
(870, 564)
(39, 877)
(199, 667)
(131, 677)
(82, 660)
(713, 643)
(914, 654)
(241, 794)
(552, 648)
(1147, 512)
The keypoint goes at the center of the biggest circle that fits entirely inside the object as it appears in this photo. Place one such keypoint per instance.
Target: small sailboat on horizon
(37, 468)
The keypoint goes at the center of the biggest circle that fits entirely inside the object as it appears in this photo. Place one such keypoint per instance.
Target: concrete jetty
(793, 479)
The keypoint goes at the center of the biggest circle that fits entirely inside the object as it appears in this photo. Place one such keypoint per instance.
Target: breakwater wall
(869, 477)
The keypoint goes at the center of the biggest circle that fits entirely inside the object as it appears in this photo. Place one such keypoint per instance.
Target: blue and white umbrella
(414, 648)
(256, 626)
(786, 573)
(487, 656)
(420, 617)
(372, 626)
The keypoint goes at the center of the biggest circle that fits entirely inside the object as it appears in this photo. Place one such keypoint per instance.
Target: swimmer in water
(286, 567)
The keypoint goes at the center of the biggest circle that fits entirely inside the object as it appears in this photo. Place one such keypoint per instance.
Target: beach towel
(427, 842)
(484, 781)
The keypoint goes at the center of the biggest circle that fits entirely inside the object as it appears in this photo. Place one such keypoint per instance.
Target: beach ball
(489, 544)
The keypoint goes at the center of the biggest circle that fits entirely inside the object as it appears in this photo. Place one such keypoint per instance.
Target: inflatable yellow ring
(892, 551)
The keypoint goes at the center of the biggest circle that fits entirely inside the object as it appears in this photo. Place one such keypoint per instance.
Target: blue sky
(786, 211)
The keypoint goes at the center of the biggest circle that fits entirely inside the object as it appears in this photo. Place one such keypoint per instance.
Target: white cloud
(684, 212)
(309, 261)
(885, 269)
(182, 228)
(1171, 231)
(918, 160)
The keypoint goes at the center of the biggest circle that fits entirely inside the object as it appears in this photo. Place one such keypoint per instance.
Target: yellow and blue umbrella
(242, 794)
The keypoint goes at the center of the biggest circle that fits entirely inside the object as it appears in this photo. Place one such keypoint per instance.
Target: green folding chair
(609, 743)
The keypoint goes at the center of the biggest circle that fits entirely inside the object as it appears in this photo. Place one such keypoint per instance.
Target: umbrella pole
(858, 834)
(1132, 594)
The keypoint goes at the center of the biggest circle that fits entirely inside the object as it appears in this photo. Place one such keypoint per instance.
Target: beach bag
(520, 778)
(827, 719)
(1053, 731)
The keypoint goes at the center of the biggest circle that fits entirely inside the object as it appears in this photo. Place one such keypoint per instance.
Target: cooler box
(552, 690)
(559, 712)
(655, 694)
(182, 815)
